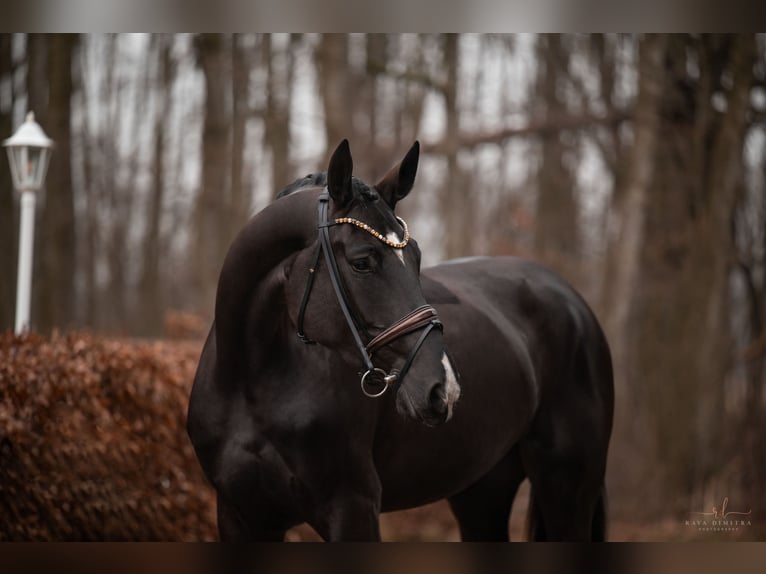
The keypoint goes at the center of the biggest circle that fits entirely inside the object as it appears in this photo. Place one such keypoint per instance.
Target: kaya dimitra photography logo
(720, 519)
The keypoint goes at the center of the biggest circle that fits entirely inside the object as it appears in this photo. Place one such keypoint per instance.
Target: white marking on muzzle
(391, 236)
(453, 388)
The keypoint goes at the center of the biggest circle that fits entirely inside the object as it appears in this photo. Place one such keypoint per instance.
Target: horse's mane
(311, 180)
(319, 179)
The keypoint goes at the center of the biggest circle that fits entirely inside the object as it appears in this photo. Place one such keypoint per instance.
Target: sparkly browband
(377, 234)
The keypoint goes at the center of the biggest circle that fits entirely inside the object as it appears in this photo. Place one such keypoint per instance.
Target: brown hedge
(93, 442)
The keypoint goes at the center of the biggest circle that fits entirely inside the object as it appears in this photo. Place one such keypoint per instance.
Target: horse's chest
(276, 462)
(253, 466)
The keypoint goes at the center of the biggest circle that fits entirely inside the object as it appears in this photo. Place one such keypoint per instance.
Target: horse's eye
(361, 265)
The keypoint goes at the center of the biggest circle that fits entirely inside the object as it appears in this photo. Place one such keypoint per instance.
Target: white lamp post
(29, 151)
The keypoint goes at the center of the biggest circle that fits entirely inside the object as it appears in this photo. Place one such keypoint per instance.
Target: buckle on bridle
(383, 381)
(305, 339)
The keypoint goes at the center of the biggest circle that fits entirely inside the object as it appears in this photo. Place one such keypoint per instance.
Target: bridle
(424, 317)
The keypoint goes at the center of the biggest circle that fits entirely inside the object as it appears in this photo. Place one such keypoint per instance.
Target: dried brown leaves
(93, 442)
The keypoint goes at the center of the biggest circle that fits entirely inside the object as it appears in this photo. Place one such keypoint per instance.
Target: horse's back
(536, 308)
(527, 293)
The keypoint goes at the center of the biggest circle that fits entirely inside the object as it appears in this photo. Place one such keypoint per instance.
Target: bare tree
(150, 288)
(335, 88)
(456, 204)
(680, 327)
(556, 236)
(49, 86)
(7, 204)
(240, 84)
(623, 267)
(211, 227)
(279, 67)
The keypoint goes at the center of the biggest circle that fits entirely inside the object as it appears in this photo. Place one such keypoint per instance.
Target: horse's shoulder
(435, 292)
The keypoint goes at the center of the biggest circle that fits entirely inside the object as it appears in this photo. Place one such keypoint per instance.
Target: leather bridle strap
(306, 293)
(332, 264)
(323, 243)
(422, 339)
(413, 321)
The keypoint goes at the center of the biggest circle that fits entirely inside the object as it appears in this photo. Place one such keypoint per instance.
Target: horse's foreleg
(233, 528)
(351, 511)
(566, 490)
(353, 517)
(483, 509)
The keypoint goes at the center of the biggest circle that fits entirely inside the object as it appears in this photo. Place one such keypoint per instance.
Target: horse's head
(377, 266)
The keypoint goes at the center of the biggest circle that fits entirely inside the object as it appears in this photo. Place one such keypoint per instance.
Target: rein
(424, 317)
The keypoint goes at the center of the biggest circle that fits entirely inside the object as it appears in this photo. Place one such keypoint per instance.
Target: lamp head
(29, 151)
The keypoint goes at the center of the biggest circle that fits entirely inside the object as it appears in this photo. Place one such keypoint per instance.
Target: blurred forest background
(633, 165)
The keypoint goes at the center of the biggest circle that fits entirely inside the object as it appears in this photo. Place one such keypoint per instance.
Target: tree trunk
(57, 230)
(456, 204)
(335, 88)
(8, 241)
(151, 290)
(556, 235)
(37, 76)
(376, 53)
(623, 265)
(37, 102)
(720, 192)
(279, 66)
(102, 161)
(211, 225)
(681, 324)
(240, 84)
(90, 228)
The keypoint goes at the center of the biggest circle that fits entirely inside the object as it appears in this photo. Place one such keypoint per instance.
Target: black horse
(286, 435)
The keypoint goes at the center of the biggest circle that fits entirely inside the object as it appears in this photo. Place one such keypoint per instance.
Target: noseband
(424, 317)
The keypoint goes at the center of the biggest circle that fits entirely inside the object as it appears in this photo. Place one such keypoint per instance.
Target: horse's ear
(339, 174)
(398, 182)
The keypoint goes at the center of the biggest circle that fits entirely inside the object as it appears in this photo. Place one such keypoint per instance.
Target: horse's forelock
(376, 213)
(360, 189)
(364, 192)
(364, 195)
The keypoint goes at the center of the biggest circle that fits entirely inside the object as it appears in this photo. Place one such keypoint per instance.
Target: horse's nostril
(438, 398)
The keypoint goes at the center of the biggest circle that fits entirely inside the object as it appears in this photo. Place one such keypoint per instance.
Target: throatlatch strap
(306, 293)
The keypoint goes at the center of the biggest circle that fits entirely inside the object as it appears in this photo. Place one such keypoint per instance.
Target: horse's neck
(248, 309)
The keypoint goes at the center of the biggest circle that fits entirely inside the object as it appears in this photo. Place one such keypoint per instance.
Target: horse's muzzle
(435, 410)
(438, 403)
(429, 397)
